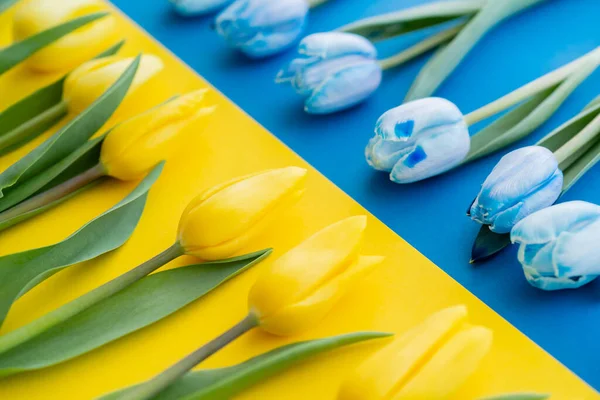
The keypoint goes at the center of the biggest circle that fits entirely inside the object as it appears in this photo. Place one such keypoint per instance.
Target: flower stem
(63, 313)
(167, 377)
(316, 3)
(55, 193)
(27, 130)
(421, 47)
(524, 92)
(564, 155)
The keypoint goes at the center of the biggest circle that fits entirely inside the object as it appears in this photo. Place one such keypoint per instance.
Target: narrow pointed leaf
(6, 4)
(22, 271)
(69, 138)
(439, 67)
(593, 103)
(413, 19)
(585, 162)
(224, 383)
(527, 117)
(519, 396)
(32, 106)
(20, 51)
(141, 304)
(561, 135)
(488, 244)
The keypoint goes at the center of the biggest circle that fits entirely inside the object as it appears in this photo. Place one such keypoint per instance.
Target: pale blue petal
(312, 75)
(292, 70)
(336, 44)
(198, 7)
(578, 253)
(552, 283)
(345, 88)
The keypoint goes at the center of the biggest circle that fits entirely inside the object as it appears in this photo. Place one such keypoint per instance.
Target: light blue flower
(335, 71)
(198, 7)
(418, 140)
(524, 181)
(558, 246)
(260, 28)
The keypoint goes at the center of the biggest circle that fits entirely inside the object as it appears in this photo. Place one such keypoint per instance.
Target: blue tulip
(524, 181)
(189, 8)
(335, 71)
(418, 140)
(558, 246)
(260, 28)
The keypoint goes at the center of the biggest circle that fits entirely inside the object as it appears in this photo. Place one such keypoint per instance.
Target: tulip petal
(345, 88)
(577, 253)
(313, 74)
(327, 45)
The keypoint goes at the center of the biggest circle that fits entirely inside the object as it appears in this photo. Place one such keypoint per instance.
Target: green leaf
(412, 19)
(139, 305)
(6, 4)
(584, 163)
(16, 53)
(441, 65)
(224, 383)
(519, 396)
(36, 113)
(561, 135)
(69, 138)
(20, 272)
(526, 117)
(488, 244)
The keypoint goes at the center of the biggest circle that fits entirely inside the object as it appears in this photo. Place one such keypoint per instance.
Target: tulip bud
(135, 146)
(34, 16)
(302, 286)
(524, 181)
(335, 71)
(223, 219)
(198, 7)
(431, 361)
(558, 246)
(418, 140)
(90, 80)
(260, 28)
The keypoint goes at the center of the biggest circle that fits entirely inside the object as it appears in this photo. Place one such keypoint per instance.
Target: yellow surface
(398, 295)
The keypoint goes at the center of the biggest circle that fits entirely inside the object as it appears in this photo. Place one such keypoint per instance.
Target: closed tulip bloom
(134, 147)
(34, 16)
(223, 219)
(90, 80)
(418, 140)
(558, 246)
(260, 28)
(198, 7)
(524, 181)
(431, 361)
(335, 71)
(302, 286)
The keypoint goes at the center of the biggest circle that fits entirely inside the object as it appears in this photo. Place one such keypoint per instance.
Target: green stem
(32, 127)
(56, 193)
(582, 139)
(316, 3)
(421, 47)
(524, 92)
(167, 377)
(61, 314)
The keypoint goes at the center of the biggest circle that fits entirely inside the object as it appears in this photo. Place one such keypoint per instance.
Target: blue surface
(431, 214)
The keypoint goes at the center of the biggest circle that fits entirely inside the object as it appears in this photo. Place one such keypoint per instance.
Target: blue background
(431, 214)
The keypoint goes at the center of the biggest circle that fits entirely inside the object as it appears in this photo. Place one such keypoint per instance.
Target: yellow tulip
(34, 16)
(90, 80)
(429, 362)
(223, 219)
(135, 146)
(302, 286)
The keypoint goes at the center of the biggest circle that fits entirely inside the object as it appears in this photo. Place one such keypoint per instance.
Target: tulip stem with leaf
(286, 299)
(248, 199)
(128, 151)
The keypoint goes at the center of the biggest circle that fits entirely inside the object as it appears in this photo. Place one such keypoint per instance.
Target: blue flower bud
(198, 7)
(558, 246)
(335, 71)
(260, 28)
(418, 140)
(524, 181)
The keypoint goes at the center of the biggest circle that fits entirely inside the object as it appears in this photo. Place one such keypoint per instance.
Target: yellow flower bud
(302, 286)
(135, 146)
(90, 80)
(34, 16)
(223, 219)
(431, 361)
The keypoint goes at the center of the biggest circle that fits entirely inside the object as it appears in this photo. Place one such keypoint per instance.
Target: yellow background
(400, 294)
